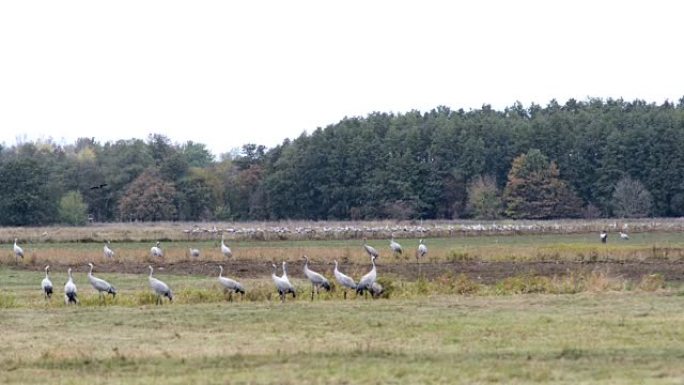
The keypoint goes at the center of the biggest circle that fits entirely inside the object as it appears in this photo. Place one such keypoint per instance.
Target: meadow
(446, 326)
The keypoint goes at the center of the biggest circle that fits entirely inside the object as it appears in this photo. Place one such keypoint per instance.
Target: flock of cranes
(367, 284)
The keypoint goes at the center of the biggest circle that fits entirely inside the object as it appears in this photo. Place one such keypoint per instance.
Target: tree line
(592, 158)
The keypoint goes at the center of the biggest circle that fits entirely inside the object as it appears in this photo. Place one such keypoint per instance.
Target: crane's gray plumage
(156, 251)
(422, 250)
(396, 247)
(195, 253)
(344, 280)
(370, 249)
(376, 290)
(230, 285)
(282, 284)
(46, 284)
(70, 292)
(18, 251)
(108, 253)
(225, 250)
(366, 282)
(317, 280)
(100, 285)
(160, 288)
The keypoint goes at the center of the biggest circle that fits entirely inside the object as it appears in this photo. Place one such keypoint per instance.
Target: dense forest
(592, 158)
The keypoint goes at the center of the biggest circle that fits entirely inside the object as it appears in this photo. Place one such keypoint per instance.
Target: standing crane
(18, 251)
(160, 288)
(396, 247)
(317, 280)
(603, 236)
(346, 281)
(46, 284)
(282, 284)
(156, 251)
(370, 249)
(225, 250)
(230, 285)
(108, 252)
(366, 282)
(101, 285)
(195, 253)
(421, 252)
(70, 290)
(624, 236)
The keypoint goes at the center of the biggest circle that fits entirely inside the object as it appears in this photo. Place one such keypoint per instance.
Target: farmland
(525, 308)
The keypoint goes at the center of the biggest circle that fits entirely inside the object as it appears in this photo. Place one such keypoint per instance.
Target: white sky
(226, 73)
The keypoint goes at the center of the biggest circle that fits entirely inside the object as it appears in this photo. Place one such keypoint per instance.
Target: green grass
(539, 247)
(608, 338)
(418, 335)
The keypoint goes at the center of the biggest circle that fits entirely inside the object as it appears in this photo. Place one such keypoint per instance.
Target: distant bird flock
(366, 285)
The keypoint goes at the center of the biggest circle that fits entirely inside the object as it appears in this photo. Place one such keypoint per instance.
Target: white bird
(366, 282)
(346, 281)
(195, 253)
(46, 284)
(624, 236)
(225, 250)
(160, 288)
(156, 251)
(317, 280)
(422, 250)
(100, 285)
(604, 237)
(396, 247)
(108, 253)
(70, 290)
(230, 285)
(376, 290)
(282, 284)
(18, 251)
(370, 249)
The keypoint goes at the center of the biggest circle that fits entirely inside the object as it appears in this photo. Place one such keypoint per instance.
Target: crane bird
(282, 284)
(46, 284)
(225, 250)
(108, 253)
(195, 253)
(370, 249)
(101, 285)
(624, 236)
(317, 280)
(156, 251)
(366, 282)
(346, 281)
(18, 251)
(160, 288)
(230, 285)
(70, 290)
(603, 236)
(422, 250)
(396, 247)
(376, 290)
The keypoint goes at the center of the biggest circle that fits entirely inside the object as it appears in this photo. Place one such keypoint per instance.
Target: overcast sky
(227, 73)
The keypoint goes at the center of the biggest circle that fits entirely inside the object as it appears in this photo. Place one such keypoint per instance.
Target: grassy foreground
(625, 337)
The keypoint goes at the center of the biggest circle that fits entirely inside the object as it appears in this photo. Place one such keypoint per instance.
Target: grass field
(537, 247)
(618, 338)
(574, 328)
